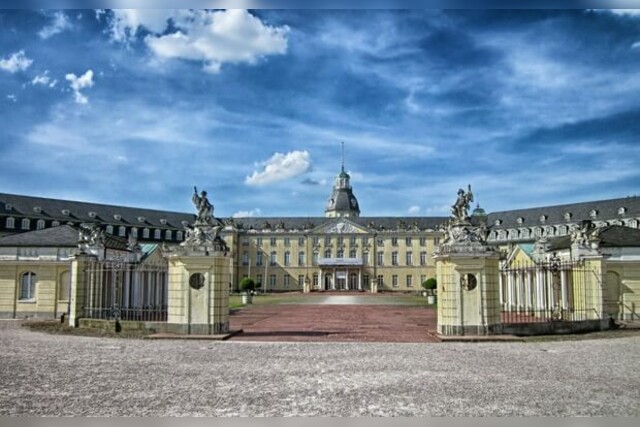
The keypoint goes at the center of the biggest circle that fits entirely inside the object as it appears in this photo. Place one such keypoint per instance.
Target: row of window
(353, 280)
(28, 281)
(273, 257)
(340, 241)
(550, 231)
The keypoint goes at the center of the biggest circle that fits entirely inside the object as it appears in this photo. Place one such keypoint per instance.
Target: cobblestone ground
(44, 374)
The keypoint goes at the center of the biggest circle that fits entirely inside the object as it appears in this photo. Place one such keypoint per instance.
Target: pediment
(340, 226)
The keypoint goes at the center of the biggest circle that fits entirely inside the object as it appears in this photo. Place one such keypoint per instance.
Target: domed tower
(342, 202)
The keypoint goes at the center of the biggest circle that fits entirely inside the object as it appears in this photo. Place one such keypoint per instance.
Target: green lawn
(235, 301)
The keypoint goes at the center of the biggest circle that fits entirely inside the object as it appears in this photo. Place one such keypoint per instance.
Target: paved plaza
(46, 374)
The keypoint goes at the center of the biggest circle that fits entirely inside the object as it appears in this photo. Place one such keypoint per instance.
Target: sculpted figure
(204, 207)
(460, 210)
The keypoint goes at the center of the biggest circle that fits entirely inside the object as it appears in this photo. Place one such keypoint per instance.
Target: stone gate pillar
(79, 286)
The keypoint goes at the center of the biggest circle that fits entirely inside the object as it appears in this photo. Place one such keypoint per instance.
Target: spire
(342, 142)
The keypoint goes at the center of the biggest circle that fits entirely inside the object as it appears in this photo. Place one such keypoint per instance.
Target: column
(360, 279)
(79, 287)
(333, 284)
(501, 289)
(563, 288)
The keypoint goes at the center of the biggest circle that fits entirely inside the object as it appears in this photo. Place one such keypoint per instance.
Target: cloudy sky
(136, 107)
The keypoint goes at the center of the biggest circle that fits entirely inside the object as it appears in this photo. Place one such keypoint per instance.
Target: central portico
(341, 273)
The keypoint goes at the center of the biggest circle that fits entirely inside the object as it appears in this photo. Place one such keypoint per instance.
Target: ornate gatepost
(200, 276)
(468, 276)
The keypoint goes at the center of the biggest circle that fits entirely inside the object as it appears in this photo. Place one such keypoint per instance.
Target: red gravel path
(332, 323)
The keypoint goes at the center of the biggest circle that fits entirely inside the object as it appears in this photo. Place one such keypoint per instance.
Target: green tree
(430, 285)
(247, 284)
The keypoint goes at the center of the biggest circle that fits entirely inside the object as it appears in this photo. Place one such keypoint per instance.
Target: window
(380, 259)
(109, 230)
(287, 280)
(423, 241)
(179, 236)
(157, 234)
(300, 280)
(407, 241)
(340, 241)
(394, 280)
(134, 231)
(122, 230)
(316, 240)
(287, 241)
(352, 241)
(394, 241)
(145, 232)
(327, 241)
(315, 258)
(259, 241)
(380, 280)
(423, 258)
(365, 279)
(409, 281)
(28, 286)
(26, 223)
(287, 258)
(301, 258)
(315, 280)
(327, 253)
(245, 258)
(40, 224)
(272, 281)
(340, 253)
(272, 241)
(436, 241)
(352, 253)
(258, 279)
(423, 277)
(365, 258)
(168, 235)
(64, 286)
(11, 222)
(394, 258)
(300, 241)
(274, 258)
(365, 241)
(380, 241)
(409, 257)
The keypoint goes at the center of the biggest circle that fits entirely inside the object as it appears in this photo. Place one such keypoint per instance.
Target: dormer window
(117, 217)
(622, 210)
(185, 223)
(498, 222)
(92, 214)
(543, 219)
(65, 212)
(141, 219)
(8, 207)
(593, 213)
(37, 209)
(163, 221)
(11, 222)
(520, 220)
(567, 216)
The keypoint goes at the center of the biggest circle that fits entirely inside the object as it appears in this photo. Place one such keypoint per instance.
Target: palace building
(340, 250)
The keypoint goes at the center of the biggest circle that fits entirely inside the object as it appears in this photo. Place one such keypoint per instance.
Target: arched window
(145, 233)
(327, 253)
(11, 222)
(134, 231)
(28, 286)
(55, 223)
(63, 286)
(40, 224)
(26, 223)
(179, 236)
(109, 229)
(157, 234)
(168, 235)
(122, 231)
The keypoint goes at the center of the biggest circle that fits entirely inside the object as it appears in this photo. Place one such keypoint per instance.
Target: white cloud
(79, 83)
(12, 98)
(59, 24)
(215, 38)
(629, 12)
(415, 209)
(18, 61)
(125, 23)
(247, 214)
(636, 45)
(44, 80)
(280, 167)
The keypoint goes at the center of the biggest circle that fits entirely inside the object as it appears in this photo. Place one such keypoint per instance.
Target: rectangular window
(287, 241)
(423, 277)
(287, 258)
(272, 281)
(380, 280)
(380, 259)
(245, 241)
(259, 259)
(28, 286)
(394, 258)
(409, 281)
(315, 258)
(423, 241)
(301, 259)
(272, 241)
(352, 253)
(365, 258)
(436, 241)
(394, 280)
(259, 241)
(301, 280)
(365, 280)
(365, 241)
(407, 241)
(353, 240)
(315, 280)
(300, 241)
(380, 241)
(258, 279)
(245, 258)
(394, 241)
(316, 240)
(423, 258)
(340, 253)
(409, 257)
(327, 241)
(340, 240)
(287, 280)
(274, 258)
(327, 253)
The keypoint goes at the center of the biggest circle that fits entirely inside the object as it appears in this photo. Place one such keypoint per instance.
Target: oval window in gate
(196, 281)
(468, 281)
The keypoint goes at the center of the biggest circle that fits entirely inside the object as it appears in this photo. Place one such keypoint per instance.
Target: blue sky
(136, 107)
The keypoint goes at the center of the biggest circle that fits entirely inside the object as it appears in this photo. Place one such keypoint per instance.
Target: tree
(247, 285)
(430, 285)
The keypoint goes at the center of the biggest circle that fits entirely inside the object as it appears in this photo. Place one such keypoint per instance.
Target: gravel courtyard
(45, 374)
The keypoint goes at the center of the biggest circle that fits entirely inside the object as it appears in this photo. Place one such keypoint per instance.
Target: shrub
(430, 284)
(247, 284)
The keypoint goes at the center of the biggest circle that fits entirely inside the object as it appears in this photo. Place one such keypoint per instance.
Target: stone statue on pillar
(204, 234)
